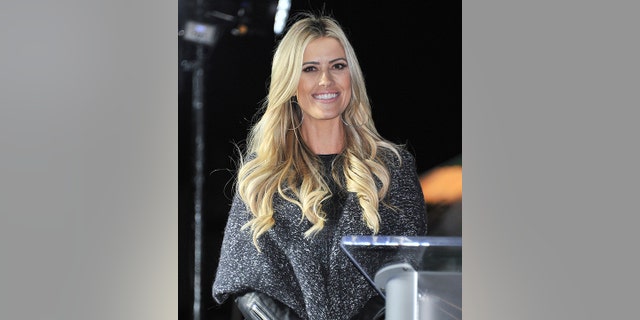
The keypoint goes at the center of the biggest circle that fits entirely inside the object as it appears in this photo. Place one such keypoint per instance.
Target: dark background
(409, 51)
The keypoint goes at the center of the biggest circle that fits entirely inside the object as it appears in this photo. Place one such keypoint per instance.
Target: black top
(333, 208)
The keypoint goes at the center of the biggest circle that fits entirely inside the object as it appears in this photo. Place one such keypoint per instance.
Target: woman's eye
(339, 66)
(308, 69)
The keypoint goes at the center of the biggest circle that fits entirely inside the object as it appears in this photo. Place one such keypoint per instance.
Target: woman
(314, 169)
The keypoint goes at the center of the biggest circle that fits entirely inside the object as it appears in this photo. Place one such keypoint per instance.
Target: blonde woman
(315, 169)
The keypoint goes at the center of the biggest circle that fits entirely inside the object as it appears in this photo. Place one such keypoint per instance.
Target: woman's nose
(325, 79)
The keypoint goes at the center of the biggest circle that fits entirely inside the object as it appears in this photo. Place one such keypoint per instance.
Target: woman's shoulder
(400, 156)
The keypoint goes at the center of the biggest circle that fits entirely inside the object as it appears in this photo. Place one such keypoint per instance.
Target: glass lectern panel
(424, 273)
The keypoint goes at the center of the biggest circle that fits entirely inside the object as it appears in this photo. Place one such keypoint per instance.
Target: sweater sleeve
(409, 216)
(241, 268)
(235, 252)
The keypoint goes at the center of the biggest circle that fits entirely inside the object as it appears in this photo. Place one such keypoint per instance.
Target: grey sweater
(313, 276)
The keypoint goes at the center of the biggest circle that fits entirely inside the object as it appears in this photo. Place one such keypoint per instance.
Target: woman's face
(324, 90)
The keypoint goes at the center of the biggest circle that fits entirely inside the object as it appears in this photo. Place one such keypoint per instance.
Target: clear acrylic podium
(419, 277)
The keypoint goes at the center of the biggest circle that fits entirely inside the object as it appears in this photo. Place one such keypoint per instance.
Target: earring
(345, 123)
(294, 102)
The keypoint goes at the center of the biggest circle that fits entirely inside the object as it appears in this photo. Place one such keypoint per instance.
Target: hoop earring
(294, 102)
(345, 123)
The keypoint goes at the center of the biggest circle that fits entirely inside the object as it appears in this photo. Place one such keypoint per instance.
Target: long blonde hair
(277, 161)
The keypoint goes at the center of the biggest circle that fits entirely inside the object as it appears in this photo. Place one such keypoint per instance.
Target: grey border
(88, 132)
(549, 143)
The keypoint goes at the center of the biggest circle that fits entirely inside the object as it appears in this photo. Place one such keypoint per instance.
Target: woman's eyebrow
(331, 61)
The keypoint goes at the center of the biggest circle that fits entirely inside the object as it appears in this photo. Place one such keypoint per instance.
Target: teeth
(325, 96)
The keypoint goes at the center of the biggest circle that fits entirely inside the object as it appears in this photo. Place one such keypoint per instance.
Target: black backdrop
(410, 52)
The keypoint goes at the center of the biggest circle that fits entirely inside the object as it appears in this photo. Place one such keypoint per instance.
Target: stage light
(282, 14)
(200, 32)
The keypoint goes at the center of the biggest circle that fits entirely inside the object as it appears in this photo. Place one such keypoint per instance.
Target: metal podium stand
(419, 277)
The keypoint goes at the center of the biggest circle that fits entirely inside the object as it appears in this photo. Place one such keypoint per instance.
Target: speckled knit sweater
(313, 276)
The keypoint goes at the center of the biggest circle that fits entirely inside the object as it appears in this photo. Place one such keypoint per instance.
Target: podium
(419, 277)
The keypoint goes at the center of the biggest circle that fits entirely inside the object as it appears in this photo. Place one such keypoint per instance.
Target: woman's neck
(327, 138)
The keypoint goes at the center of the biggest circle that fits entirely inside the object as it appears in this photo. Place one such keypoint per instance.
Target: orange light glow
(442, 185)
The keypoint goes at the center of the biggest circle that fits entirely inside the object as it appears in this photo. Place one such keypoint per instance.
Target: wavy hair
(276, 160)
